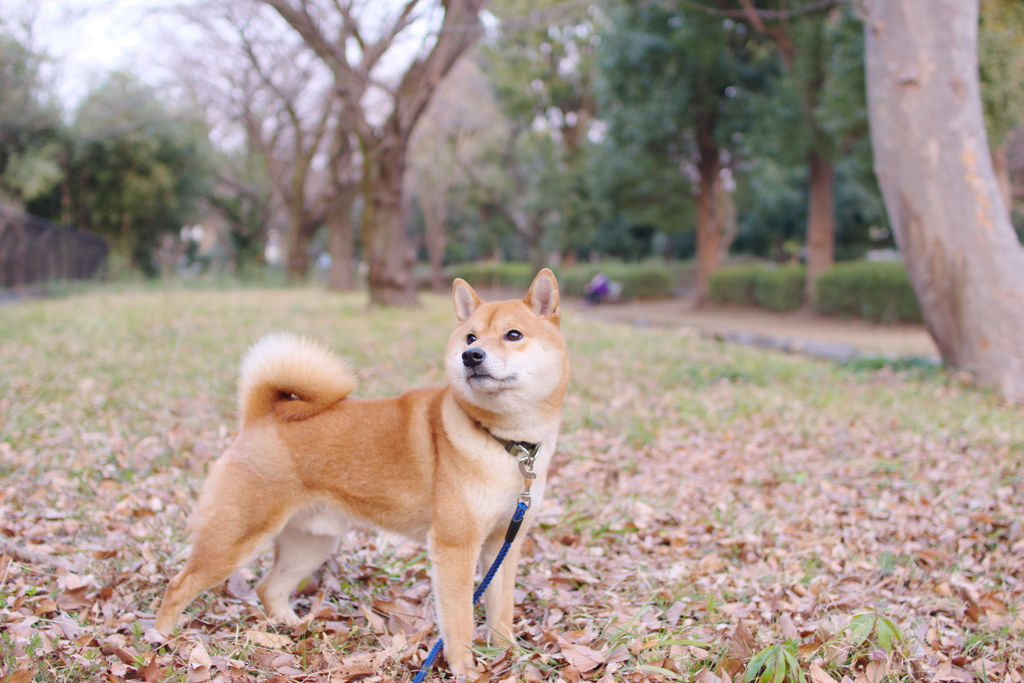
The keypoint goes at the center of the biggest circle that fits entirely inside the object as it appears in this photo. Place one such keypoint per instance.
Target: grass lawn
(716, 513)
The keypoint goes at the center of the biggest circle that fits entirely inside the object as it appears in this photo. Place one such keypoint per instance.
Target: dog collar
(524, 452)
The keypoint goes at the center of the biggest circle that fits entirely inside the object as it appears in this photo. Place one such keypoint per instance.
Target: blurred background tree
(1001, 67)
(32, 134)
(255, 75)
(812, 111)
(530, 181)
(461, 121)
(672, 82)
(362, 43)
(137, 164)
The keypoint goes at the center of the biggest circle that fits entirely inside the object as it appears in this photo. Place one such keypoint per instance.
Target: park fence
(34, 250)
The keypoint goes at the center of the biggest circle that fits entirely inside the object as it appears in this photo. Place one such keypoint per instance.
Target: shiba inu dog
(429, 464)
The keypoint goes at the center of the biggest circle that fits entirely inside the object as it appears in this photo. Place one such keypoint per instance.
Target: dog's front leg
(453, 568)
(500, 595)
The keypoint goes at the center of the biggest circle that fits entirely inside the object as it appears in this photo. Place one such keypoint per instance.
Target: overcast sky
(89, 38)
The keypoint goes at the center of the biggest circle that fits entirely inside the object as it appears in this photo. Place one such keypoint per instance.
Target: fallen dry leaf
(151, 671)
(819, 675)
(19, 676)
(580, 656)
(274, 641)
(74, 598)
(199, 663)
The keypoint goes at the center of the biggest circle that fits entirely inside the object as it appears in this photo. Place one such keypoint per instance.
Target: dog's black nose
(473, 357)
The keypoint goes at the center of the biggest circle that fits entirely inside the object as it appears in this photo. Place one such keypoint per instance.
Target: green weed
(775, 664)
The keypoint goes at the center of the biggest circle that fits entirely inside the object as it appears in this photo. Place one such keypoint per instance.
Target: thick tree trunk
(933, 165)
(340, 231)
(386, 245)
(435, 216)
(821, 221)
(341, 237)
(709, 224)
(296, 254)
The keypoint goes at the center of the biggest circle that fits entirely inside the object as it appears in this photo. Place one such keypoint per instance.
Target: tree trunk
(296, 254)
(386, 245)
(435, 216)
(340, 232)
(341, 238)
(821, 221)
(935, 171)
(709, 224)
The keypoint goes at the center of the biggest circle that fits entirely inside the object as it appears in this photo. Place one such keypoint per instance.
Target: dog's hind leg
(215, 556)
(229, 526)
(298, 552)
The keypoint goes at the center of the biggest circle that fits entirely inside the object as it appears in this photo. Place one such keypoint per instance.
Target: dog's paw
(461, 662)
(471, 674)
(285, 618)
(291, 620)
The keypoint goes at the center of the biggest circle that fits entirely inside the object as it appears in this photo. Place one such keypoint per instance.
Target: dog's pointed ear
(466, 300)
(542, 298)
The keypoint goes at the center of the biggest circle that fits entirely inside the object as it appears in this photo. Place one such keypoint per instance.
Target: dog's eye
(470, 338)
(513, 335)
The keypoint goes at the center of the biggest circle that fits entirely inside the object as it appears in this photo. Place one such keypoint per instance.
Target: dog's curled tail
(292, 377)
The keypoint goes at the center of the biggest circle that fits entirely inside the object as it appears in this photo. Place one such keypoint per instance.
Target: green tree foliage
(662, 68)
(30, 126)
(813, 103)
(136, 168)
(772, 202)
(543, 67)
(243, 194)
(1001, 71)
(1001, 67)
(533, 180)
(672, 80)
(814, 100)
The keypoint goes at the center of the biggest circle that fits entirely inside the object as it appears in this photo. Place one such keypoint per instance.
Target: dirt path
(801, 330)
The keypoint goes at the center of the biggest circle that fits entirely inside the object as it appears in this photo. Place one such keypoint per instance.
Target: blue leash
(510, 535)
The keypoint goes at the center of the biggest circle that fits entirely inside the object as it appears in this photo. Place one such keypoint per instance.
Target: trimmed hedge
(777, 288)
(506, 274)
(780, 289)
(875, 291)
(639, 280)
(733, 285)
